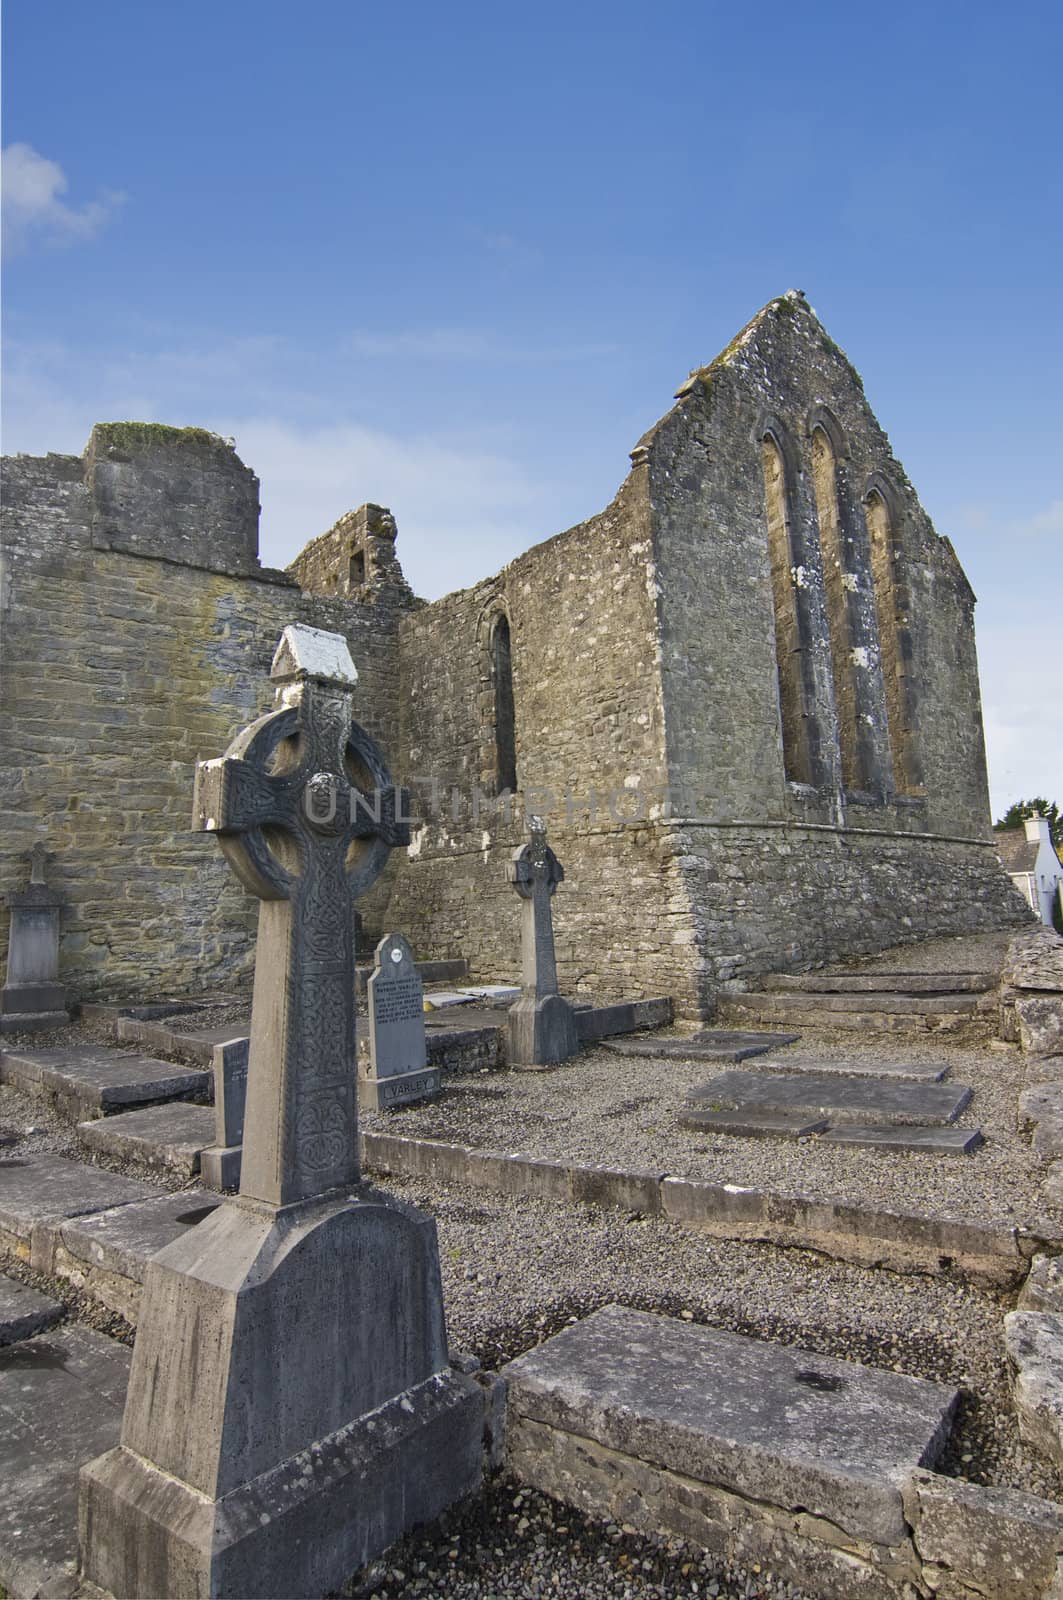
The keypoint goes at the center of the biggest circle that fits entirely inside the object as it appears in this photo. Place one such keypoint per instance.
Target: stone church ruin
(744, 696)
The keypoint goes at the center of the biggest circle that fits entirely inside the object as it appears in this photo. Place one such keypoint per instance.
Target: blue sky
(457, 258)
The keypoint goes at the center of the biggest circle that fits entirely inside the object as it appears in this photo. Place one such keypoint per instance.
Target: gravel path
(623, 1110)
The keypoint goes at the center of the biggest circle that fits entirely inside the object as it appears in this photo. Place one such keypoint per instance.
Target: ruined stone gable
(745, 695)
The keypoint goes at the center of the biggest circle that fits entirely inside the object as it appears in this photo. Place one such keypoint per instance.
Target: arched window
(848, 665)
(895, 640)
(786, 574)
(505, 724)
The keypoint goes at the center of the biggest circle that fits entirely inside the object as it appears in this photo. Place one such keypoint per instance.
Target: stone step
(39, 1192)
(753, 1124)
(784, 1429)
(865, 1100)
(904, 1015)
(851, 1067)
(24, 1311)
(901, 1005)
(107, 1253)
(180, 1039)
(936, 1141)
(899, 983)
(92, 1081)
(711, 1044)
(170, 1136)
(61, 1400)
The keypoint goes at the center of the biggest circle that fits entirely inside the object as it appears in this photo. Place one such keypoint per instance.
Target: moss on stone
(135, 436)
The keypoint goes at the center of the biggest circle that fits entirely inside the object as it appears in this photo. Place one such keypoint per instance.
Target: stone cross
(542, 1028)
(535, 873)
(306, 814)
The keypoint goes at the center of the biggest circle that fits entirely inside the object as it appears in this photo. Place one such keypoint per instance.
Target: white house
(1031, 862)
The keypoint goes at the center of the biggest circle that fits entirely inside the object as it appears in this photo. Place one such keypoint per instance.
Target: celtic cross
(306, 814)
(535, 873)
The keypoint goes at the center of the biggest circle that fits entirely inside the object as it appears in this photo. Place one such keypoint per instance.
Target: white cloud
(1021, 706)
(33, 207)
(464, 506)
(462, 511)
(1050, 520)
(470, 344)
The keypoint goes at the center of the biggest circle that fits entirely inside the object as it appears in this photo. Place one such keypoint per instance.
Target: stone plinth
(237, 1468)
(32, 996)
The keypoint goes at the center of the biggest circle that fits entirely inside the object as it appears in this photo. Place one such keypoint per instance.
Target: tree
(1016, 815)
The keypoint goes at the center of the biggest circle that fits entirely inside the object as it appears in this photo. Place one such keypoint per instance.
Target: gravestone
(291, 1410)
(542, 1025)
(397, 1070)
(219, 1164)
(32, 996)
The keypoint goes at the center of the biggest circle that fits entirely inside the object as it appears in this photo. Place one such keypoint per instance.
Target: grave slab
(712, 1044)
(773, 1423)
(122, 1241)
(936, 1141)
(24, 1311)
(880, 1067)
(61, 1398)
(596, 1023)
(753, 1124)
(40, 1191)
(171, 1136)
(90, 1080)
(443, 999)
(839, 1099)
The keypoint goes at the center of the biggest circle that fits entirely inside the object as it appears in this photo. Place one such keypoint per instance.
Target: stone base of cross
(291, 1410)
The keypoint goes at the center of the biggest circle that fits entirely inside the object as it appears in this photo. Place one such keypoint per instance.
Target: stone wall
(590, 755)
(642, 700)
(120, 668)
(645, 662)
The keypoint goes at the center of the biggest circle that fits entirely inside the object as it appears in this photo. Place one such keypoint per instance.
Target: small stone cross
(306, 815)
(535, 873)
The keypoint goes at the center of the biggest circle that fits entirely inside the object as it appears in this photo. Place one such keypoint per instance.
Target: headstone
(219, 1165)
(291, 1410)
(542, 1024)
(32, 996)
(397, 1070)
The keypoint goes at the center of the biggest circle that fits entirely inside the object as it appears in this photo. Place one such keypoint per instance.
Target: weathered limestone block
(1043, 1289)
(1034, 1344)
(1034, 960)
(1040, 1019)
(994, 1542)
(1040, 1102)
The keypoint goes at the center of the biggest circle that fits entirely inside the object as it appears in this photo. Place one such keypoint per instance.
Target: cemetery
(580, 1202)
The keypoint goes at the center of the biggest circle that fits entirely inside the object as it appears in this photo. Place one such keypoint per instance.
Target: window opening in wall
(836, 582)
(356, 571)
(789, 648)
(894, 642)
(505, 724)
